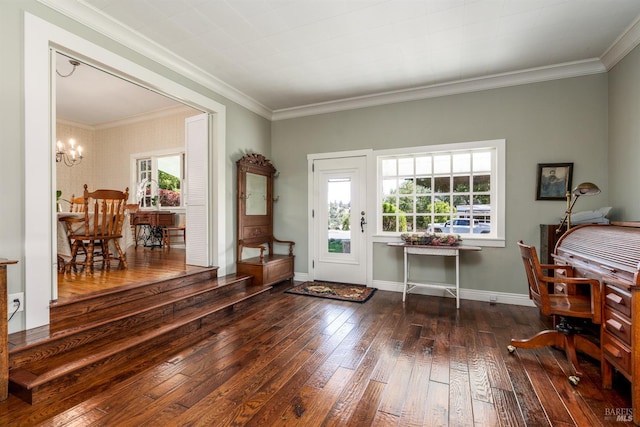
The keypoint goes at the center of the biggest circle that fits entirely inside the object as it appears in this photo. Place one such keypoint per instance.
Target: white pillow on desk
(591, 216)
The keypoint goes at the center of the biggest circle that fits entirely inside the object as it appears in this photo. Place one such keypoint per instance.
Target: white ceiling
(280, 55)
(93, 97)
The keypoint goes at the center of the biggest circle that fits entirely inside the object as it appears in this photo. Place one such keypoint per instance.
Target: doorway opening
(115, 120)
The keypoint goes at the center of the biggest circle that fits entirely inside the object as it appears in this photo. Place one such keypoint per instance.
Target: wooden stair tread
(196, 275)
(130, 308)
(43, 371)
(68, 313)
(135, 308)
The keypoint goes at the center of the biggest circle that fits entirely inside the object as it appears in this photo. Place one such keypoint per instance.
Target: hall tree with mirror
(256, 242)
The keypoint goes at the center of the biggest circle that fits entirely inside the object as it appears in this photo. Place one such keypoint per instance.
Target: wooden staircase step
(126, 308)
(67, 313)
(92, 328)
(74, 371)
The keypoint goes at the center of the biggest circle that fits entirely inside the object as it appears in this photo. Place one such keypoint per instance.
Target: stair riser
(206, 297)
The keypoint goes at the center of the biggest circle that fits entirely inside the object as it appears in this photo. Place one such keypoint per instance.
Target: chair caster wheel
(574, 380)
(511, 349)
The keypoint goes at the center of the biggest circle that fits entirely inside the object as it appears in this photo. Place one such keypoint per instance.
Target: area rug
(338, 291)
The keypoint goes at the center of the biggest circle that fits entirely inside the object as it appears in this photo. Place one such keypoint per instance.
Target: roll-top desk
(611, 253)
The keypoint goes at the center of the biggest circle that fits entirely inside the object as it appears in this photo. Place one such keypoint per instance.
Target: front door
(339, 220)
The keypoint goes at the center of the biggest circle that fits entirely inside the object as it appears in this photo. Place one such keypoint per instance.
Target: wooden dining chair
(76, 204)
(104, 212)
(577, 304)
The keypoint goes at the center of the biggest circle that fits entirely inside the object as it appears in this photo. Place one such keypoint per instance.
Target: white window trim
(497, 240)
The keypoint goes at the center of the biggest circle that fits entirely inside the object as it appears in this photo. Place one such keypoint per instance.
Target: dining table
(64, 245)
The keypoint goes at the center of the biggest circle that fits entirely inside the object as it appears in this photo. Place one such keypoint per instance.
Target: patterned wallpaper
(108, 150)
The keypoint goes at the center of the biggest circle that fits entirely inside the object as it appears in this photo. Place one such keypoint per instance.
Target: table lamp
(584, 189)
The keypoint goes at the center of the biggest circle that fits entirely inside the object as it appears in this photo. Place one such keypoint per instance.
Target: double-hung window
(160, 180)
(453, 188)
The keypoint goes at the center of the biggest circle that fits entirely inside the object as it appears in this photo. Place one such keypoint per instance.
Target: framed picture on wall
(554, 180)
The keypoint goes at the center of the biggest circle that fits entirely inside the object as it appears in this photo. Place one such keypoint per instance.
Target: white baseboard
(465, 294)
(300, 277)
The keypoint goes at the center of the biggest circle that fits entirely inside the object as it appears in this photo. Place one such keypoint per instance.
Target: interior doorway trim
(39, 204)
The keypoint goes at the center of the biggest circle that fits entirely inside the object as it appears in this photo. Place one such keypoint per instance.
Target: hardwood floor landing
(301, 361)
(144, 264)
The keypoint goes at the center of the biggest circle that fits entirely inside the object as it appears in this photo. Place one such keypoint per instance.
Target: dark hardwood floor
(299, 361)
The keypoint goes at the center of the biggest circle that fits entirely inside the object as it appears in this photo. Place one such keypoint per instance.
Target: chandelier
(71, 156)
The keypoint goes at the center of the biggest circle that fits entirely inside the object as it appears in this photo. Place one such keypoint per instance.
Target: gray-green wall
(557, 121)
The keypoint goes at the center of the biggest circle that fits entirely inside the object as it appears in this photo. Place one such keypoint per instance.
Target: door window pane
(339, 208)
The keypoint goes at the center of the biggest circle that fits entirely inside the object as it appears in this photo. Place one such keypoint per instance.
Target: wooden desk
(454, 251)
(152, 222)
(153, 218)
(4, 330)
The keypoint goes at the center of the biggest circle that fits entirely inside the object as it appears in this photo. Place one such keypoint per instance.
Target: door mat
(337, 291)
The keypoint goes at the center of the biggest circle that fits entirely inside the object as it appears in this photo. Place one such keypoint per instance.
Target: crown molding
(622, 46)
(142, 117)
(495, 81)
(94, 19)
(68, 122)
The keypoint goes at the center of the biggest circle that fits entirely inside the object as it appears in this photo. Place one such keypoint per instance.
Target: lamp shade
(586, 189)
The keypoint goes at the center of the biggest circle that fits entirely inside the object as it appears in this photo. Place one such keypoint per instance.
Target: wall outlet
(493, 299)
(13, 305)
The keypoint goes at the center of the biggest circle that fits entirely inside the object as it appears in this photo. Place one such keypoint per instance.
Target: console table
(447, 251)
(4, 330)
(152, 223)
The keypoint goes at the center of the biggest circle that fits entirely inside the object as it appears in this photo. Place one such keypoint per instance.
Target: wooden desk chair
(102, 224)
(578, 304)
